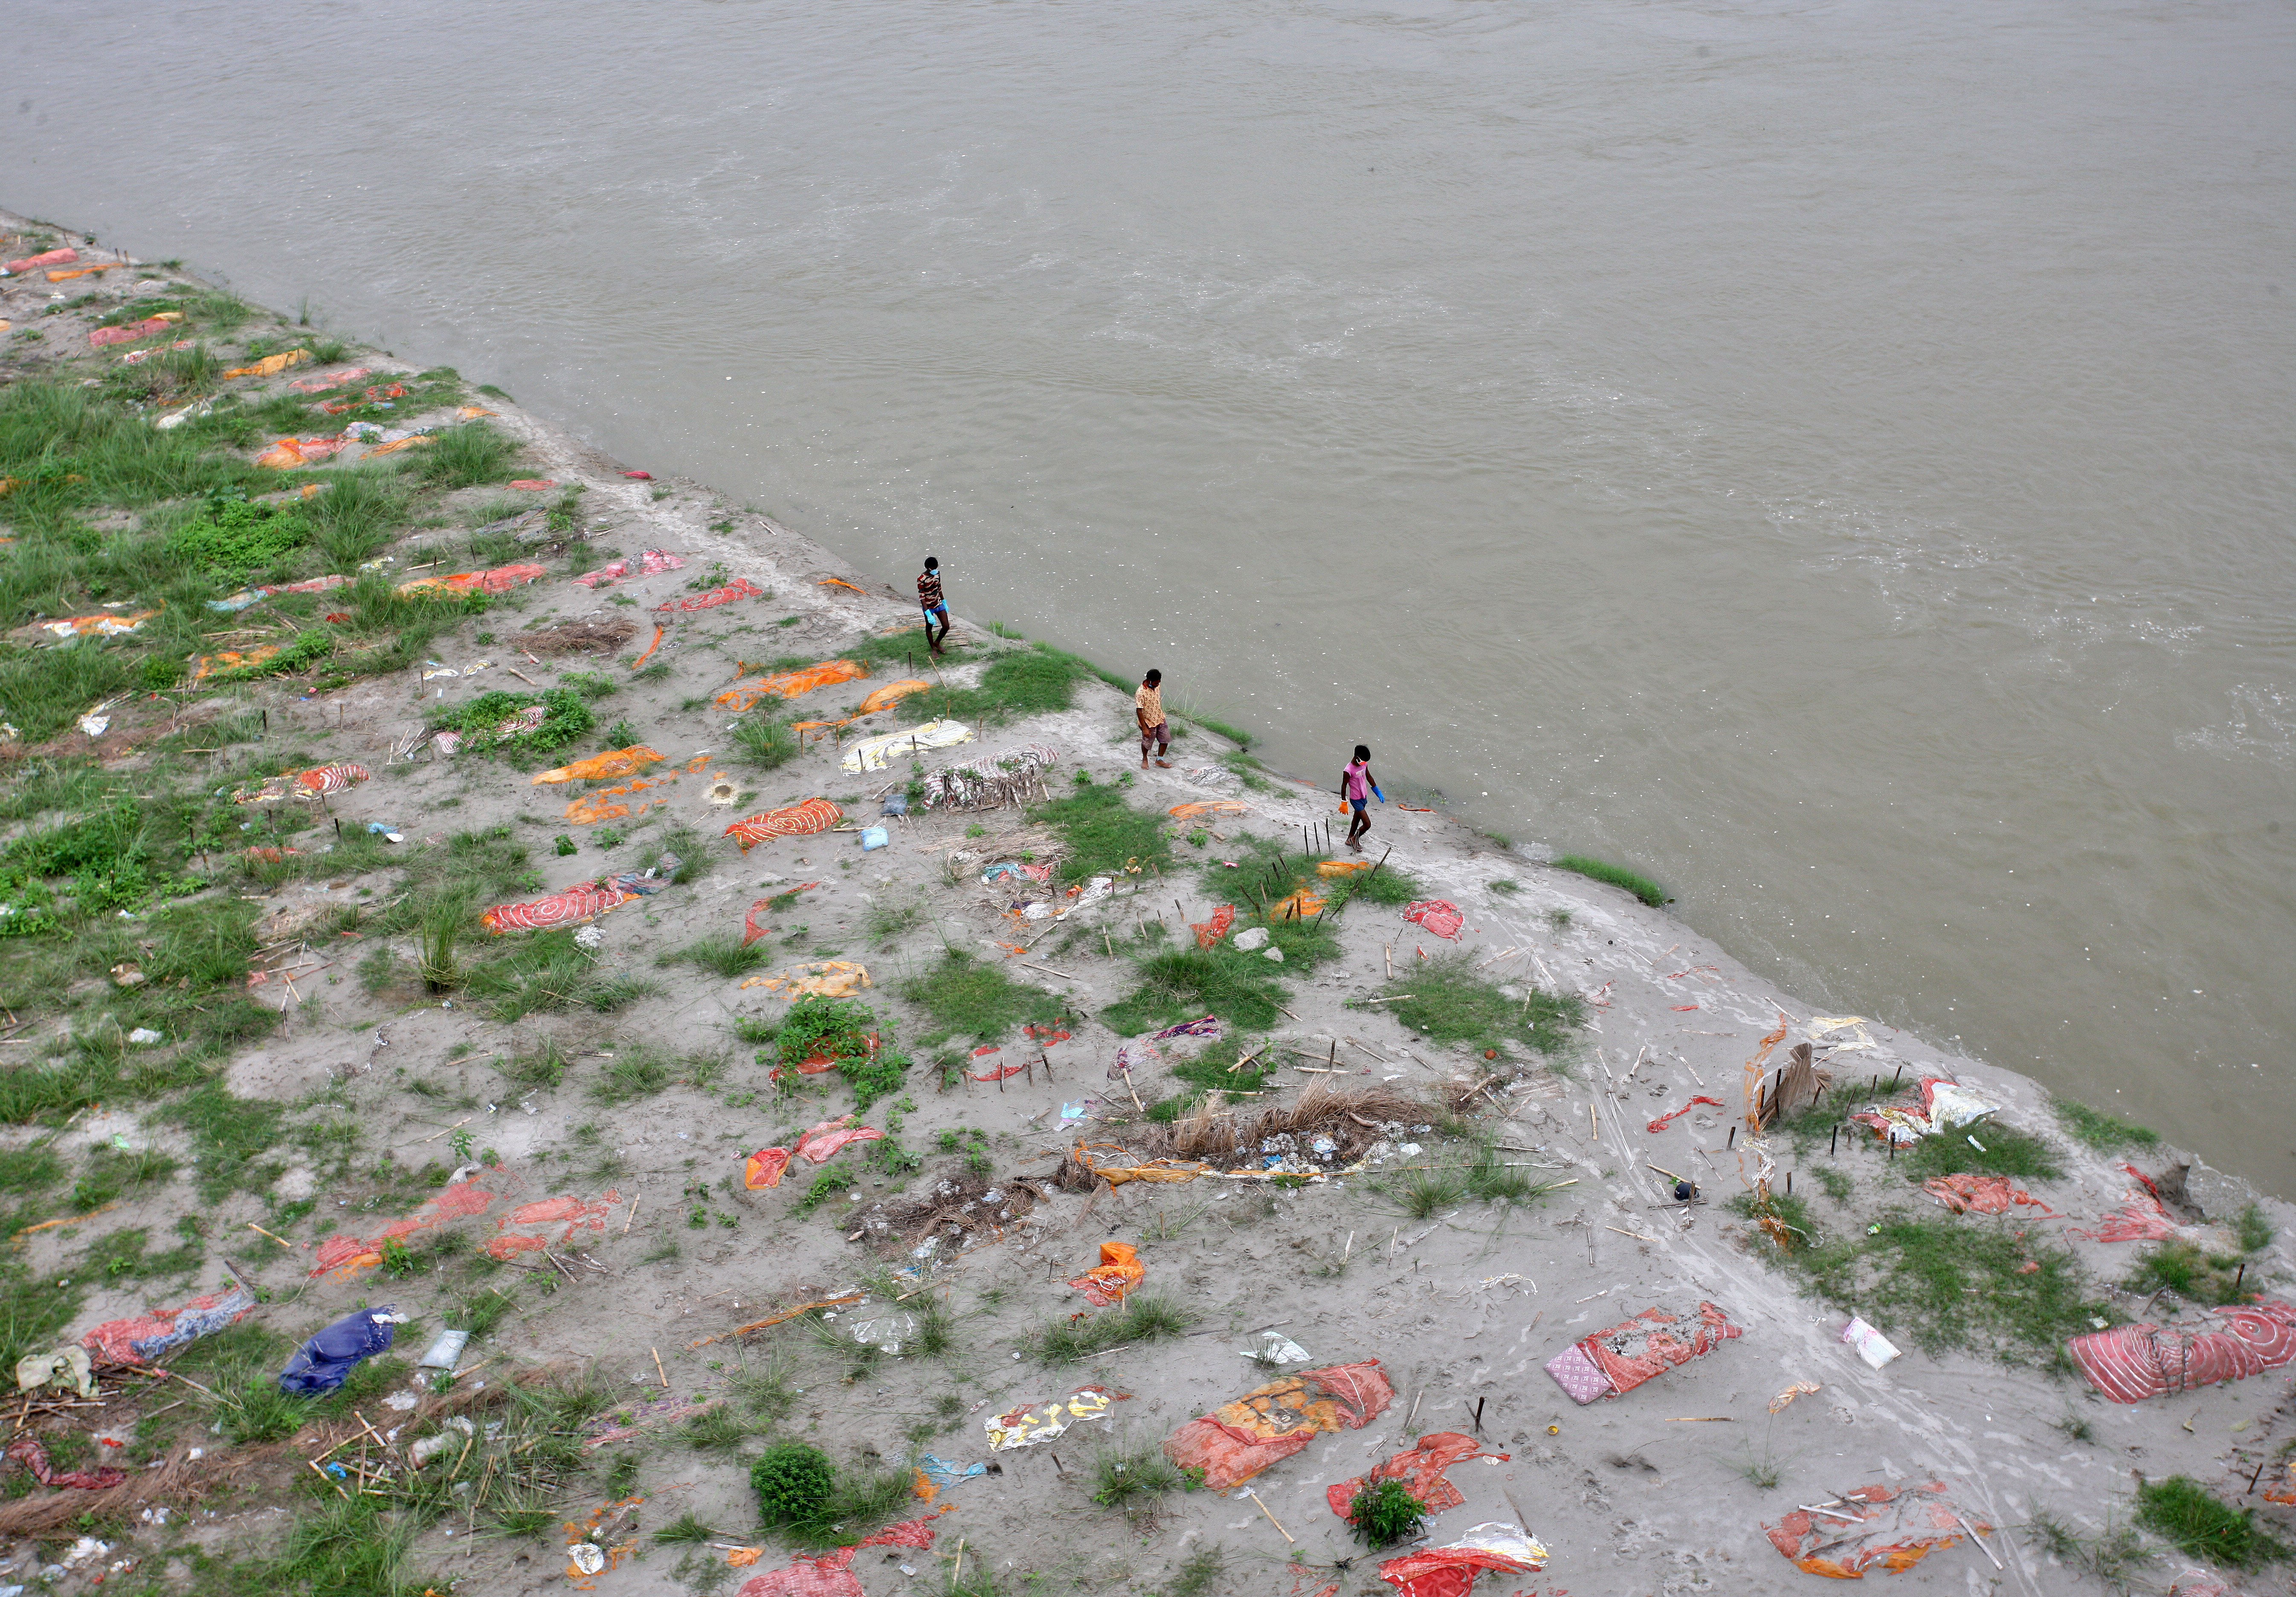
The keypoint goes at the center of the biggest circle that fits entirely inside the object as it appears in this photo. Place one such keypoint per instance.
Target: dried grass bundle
(178, 1480)
(579, 638)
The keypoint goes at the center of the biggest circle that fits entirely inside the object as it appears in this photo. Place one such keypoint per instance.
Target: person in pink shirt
(1358, 788)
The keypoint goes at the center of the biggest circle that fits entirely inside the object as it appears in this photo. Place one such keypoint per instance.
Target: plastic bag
(329, 1354)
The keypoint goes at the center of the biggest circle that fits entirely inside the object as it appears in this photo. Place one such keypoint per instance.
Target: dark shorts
(1161, 732)
(936, 610)
(1358, 804)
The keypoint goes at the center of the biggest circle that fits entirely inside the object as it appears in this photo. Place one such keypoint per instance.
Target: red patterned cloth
(2141, 1219)
(649, 563)
(1451, 1571)
(1420, 1470)
(739, 588)
(2132, 1362)
(821, 1140)
(794, 820)
(764, 1167)
(585, 900)
(1654, 1341)
(128, 334)
(1980, 1194)
(143, 1338)
(831, 1574)
(1439, 916)
(1267, 1424)
(1209, 932)
(28, 1451)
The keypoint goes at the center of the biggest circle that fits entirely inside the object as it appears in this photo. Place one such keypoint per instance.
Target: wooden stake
(1271, 1519)
(633, 1214)
(657, 1367)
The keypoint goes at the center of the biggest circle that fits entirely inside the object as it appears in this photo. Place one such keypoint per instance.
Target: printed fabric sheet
(2129, 1363)
(1238, 1440)
(1617, 1360)
(792, 820)
(1895, 1527)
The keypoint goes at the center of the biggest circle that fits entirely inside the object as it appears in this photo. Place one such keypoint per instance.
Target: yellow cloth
(1149, 702)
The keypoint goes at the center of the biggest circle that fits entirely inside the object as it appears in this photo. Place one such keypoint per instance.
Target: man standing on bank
(929, 597)
(1148, 709)
(1353, 782)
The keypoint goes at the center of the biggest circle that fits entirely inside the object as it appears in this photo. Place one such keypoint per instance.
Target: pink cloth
(100, 336)
(2141, 1219)
(650, 563)
(831, 1574)
(825, 1138)
(319, 385)
(1439, 915)
(739, 588)
(54, 258)
(1358, 781)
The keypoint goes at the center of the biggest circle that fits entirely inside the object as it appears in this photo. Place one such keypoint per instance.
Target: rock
(143, 1036)
(127, 974)
(1257, 938)
(590, 938)
(1275, 954)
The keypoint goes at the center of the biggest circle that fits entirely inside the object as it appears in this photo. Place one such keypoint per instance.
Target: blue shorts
(1358, 804)
(936, 610)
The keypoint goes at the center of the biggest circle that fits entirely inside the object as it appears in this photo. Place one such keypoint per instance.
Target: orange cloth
(892, 693)
(1238, 1440)
(613, 762)
(1420, 1472)
(789, 683)
(271, 366)
(1118, 1272)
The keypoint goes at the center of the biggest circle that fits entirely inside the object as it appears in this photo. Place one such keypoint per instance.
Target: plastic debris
(739, 588)
(1118, 1272)
(1450, 1571)
(1822, 1026)
(831, 1574)
(1800, 1388)
(549, 1220)
(1419, 1468)
(583, 902)
(792, 820)
(1033, 1422)
(64, 1367)
(1895, 1527)
(874, 837)
(874, 753)
(331, 1354)
(319, 385)
(1946, 1105)
(1276, 1348)
(818, 978)
(2129, 1363)
(1439, 916)
(1614, 1361)
(1980, 1194)
(1872, 1346)
(820, 1141)
(1143, 1051)
(763, 1168)
(1267, 1424)
(143, 1036)
(942, 1473)
(599, 768)
(1209, 932)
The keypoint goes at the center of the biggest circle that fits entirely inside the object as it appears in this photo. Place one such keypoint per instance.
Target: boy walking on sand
(929, 597)
(1354, 782)
(1148, 709)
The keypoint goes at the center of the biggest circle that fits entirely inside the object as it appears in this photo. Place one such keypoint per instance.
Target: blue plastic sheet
(331, 1354)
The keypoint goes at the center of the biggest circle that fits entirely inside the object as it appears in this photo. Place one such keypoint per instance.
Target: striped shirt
(928, 591)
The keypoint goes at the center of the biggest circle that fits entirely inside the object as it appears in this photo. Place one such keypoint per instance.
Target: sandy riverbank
(1657, 1491)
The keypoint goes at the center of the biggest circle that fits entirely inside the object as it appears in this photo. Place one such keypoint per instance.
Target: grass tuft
(1143, 1317)
(1616, 875)
(2096, 1129)
(2195, 1520)
(1986, 1149)
(1445, 1002)
(966, 996)
(1383, 1512)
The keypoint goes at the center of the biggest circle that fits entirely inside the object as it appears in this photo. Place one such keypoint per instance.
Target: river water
(1835, 457)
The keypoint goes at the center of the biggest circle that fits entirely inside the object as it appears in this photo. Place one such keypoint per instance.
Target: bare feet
(1165, 764)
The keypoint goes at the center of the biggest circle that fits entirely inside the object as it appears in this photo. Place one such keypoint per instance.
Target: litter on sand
(1613, 1362)
(2129, 1363)
(1980, 1194)
(270, 366)
(286, 454)
(739, 588)
(33, 1453)
(605, 767)
(51, 258)
(820, 1141)
(789, 684)
(501, 579)
(792, 820)
(892, 693)
(943, 1474)
(875, 753)
(989, 783)
(1439, 916)
(1872, 1346)
(62, 1367)
(1450, 1571)
(329, 1355)
(323, 780)
(1275, 1348)
(96, 626)
(1419, 1468)
(1823, 1025)
(1035, 1422)
(1209, 932)
(2139, 1219)
(1800, 1388)
(1268, 1424)
(144, 1337)
(650, 563)
(583, 902)
(99, 337)
(1663, 1121)
(1946, 1105)
(1143, 1051)
(831, 1574)
(818, 978)
(1894, 1527)
(763, 1168)
(1118, 1272)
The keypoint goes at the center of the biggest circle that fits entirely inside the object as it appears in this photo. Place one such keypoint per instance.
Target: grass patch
(1423, 1194)
(1950, 1281)
(1212, 1071)
(722, 954)
(545, 970)
(763, 742)
(487, 722)
(2192, 1272)
(1444, 1000)
(466, 457)
(1616, 875)
(1133, 1479)
(1104, 833)
(1989, 1149)
(2195, 1520)
(1145, 1317)
(1384, 1512)
(2093, 1128)
(2113, 1555)
(1187, 983)
(965, 997)
(1017, 683)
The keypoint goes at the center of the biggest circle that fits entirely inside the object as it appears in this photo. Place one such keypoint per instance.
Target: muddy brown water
(1835, 456)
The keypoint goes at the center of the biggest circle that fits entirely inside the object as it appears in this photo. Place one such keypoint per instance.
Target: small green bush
(1384, 1512)
(792, 1482)
(234, 536)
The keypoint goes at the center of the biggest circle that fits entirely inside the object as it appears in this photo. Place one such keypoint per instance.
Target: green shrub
(1616, 875)
(234, 536)
(1384, 1512)
(792, 1482)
